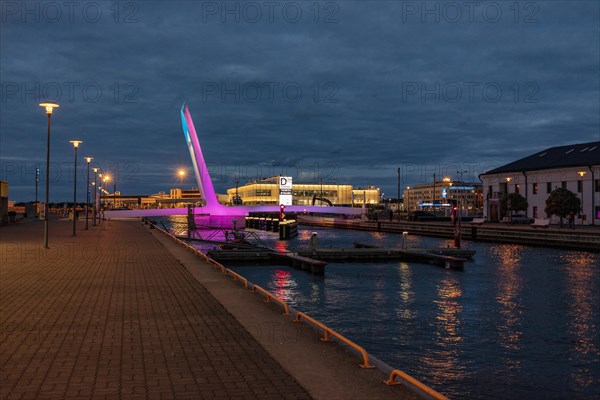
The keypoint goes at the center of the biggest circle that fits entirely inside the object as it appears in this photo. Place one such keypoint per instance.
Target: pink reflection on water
(283, 284)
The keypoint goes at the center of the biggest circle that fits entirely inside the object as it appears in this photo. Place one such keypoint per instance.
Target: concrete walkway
(112, 313)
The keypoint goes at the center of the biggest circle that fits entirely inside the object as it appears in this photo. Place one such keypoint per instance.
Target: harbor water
(518, 323)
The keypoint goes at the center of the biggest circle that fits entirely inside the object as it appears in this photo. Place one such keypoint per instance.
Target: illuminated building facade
(266, 192)
(439, 196)
(574, 167)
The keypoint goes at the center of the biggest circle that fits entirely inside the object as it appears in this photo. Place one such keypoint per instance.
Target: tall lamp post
(75, 144)
(105, 179)
(88, 159)
(37, 182)
(95, 193)
(98, 199)
(49, 107)
(457, 230)
(398, 196)
(582, 174)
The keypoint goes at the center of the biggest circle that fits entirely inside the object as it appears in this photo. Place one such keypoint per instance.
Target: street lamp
(457, 230)
(581, 174)
(49, 107)
(87, 191)
(106, 179)
(95, 194)
(75, 144)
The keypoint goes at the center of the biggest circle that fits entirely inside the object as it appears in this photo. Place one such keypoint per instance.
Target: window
(563, 184)
(503, 188)
(549, 187)
(579, 186)
(597, 185)
(535, 188)
(535, 213)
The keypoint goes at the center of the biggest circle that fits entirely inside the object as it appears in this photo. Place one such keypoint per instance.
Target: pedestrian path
(112, 314)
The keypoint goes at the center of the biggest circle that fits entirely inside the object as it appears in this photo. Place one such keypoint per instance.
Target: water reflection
(509, 286)
(281, 246)
(583, 310)
(283, 285)
(405, 293)
(443, 359)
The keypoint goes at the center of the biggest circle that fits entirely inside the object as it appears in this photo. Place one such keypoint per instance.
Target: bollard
(314, 242)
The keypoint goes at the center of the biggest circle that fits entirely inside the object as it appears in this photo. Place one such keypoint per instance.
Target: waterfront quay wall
(580, 238)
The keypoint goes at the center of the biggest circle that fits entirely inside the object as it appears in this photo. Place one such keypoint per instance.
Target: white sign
(285, 190)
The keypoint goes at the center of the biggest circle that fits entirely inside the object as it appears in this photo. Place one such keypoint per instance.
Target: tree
(513, 202)
(562, 202)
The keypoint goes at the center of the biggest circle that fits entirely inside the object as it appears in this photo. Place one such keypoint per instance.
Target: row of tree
(561, 202)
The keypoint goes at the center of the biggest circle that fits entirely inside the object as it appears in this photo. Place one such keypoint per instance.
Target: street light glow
(49, 106)
(75, 143)
(88, 159)
(181, 172)
(582, 173)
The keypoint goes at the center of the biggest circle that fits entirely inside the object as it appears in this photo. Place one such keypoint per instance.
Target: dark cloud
(349, 95)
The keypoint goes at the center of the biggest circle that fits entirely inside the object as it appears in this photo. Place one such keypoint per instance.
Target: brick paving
(112, 314)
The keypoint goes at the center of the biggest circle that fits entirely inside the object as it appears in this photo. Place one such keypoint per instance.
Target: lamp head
(49, 105)
(95, 169)
(582, 173)
(75, 143)
(88, 159)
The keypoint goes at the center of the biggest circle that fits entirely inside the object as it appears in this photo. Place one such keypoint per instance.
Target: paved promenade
(121, 311)
(112, 314)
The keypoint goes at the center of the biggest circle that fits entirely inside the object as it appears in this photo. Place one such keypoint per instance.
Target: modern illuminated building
(422, 197)
(266, 192)
(575, 167)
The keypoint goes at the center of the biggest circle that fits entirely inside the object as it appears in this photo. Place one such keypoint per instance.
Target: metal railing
(410, 381)
(268, 296)
(328, 331)
(237, 276)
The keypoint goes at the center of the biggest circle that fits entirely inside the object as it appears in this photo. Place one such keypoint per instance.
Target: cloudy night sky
(345, 91)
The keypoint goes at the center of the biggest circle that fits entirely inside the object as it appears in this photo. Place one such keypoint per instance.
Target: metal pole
(37, 181)
(75, 196)
(87, 197)
(593, 191)
(46, 208)
(433, 200)
(398, 197)
(95, 196)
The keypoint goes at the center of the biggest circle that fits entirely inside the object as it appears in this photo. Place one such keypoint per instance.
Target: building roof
(573, 155)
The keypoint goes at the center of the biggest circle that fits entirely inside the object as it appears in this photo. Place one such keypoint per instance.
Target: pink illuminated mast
(213, 207)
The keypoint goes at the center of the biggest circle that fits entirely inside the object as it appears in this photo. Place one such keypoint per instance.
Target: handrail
(236, 276)
(405, 378)
(269, 296)
(328, 331)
